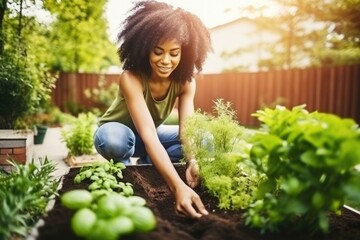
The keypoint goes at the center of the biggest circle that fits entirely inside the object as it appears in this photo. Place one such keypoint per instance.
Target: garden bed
(220, 224)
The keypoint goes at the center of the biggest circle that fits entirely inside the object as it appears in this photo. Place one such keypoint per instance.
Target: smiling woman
(161, 48)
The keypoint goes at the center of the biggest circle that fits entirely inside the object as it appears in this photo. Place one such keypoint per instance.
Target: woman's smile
(164, 70)
(165, 57)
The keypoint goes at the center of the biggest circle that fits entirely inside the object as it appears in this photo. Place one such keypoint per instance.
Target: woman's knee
(175, 153)
(114, 141)
(168, 135)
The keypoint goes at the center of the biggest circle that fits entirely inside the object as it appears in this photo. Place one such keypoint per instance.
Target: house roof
(231, 23)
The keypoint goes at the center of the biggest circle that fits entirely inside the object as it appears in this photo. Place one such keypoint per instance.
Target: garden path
(54, 149)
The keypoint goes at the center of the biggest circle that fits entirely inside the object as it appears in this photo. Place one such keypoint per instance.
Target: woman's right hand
(188, 202)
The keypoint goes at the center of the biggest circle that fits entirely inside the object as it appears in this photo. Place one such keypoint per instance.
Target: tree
(78, 36)
(24, 85)
(343, 38)
(3, 7)
(311, 33)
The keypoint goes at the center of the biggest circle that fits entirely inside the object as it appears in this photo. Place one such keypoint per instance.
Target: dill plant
(218, 143)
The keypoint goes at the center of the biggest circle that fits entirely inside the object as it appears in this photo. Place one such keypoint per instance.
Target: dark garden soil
(220, 224)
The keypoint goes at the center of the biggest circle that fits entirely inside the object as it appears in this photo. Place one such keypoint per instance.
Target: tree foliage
(311, 33)
(343, 38)
(24, 83)
(15, 91)
(73, 38)
(78, 36)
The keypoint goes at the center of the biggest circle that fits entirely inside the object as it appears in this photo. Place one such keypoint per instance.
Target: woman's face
(165, 57)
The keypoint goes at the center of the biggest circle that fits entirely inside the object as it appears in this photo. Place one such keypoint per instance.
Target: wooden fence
(328, 89)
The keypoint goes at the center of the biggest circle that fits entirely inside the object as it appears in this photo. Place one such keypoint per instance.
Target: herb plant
(24, 195)
(79, 136)
(107, 217)
(105, 176)
(219, 145)
(309, 161)
(108, 209)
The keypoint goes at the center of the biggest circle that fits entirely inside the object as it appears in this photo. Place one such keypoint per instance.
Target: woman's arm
(186, 108)
(132, 89)
(186, 104)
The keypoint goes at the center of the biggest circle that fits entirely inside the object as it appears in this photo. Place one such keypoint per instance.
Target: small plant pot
(39, 134)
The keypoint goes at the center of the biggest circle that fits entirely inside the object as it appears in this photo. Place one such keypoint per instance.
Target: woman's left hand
(192, 173)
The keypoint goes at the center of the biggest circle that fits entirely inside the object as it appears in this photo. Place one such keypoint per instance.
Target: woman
(160, 47)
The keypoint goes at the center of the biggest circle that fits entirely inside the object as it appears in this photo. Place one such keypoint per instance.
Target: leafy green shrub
(219, 145)
(24, 89)
(74, 108)
(16, 91)
(59, 118)
(24, 195)
(309, 160)
(79, 136)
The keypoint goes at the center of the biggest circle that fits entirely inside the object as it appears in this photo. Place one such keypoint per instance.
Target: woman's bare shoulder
(130, 80)
(188, 86)
(129, 75)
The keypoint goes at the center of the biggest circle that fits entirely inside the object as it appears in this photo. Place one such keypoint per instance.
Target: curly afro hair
(150, 22)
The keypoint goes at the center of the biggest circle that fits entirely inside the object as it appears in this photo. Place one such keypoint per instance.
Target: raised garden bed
(220, 224)
(16, 145)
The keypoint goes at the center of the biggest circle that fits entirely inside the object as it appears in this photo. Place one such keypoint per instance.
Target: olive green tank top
(159, 110)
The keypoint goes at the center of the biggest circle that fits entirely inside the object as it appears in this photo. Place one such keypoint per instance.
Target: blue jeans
(118, 142)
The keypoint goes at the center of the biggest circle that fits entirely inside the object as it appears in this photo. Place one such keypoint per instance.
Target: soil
(219, 224)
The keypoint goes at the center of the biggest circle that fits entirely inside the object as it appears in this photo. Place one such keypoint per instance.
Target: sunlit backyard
(275, 131)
